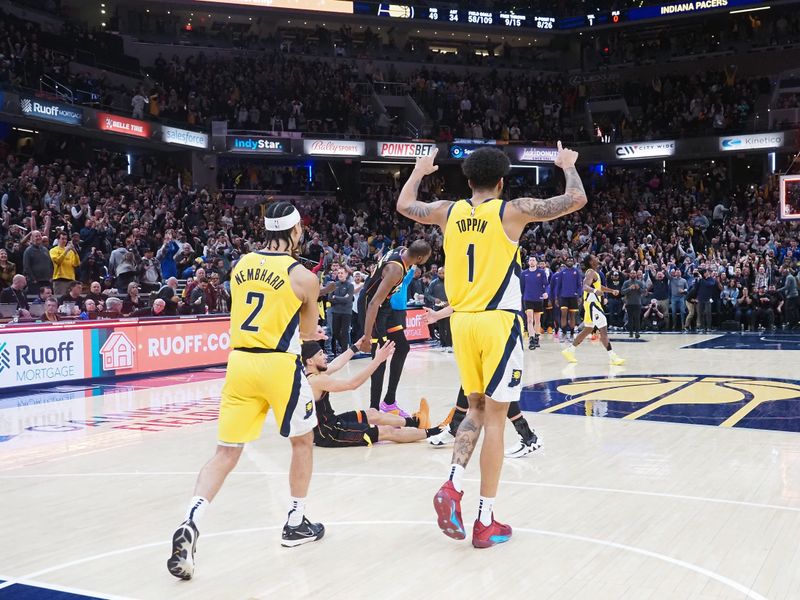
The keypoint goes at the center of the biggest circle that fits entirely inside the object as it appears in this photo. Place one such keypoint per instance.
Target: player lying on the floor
(528, 441)
(358, 427)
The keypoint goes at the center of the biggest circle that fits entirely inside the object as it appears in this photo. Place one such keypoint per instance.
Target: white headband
(282, 223)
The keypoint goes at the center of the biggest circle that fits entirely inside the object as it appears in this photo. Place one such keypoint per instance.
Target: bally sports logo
(645, 150)
(118, 352)
(404, 149)
(333, 147)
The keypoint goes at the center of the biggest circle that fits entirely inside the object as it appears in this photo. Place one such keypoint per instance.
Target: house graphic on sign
(118, 352)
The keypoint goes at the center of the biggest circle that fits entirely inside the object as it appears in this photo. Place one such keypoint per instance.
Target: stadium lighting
(746, 10)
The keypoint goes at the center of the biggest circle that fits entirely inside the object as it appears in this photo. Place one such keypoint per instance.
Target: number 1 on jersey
(471, 256)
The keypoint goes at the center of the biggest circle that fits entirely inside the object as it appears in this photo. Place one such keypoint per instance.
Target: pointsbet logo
(25, 360)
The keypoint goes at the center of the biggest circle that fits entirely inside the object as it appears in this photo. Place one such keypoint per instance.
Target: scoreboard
(430, 14)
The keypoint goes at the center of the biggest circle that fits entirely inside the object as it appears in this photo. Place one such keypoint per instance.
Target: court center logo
(118, 352)
(5, 357)
(725, 401)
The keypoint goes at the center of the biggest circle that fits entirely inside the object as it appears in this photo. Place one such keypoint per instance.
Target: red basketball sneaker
(447, 503)
(485, 536)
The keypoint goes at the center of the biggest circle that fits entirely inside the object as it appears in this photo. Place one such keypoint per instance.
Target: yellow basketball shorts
(489, 353)
(593, 315)
(256, 382)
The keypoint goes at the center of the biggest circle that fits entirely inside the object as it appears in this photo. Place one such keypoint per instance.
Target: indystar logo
(5, 357)
(257, 144)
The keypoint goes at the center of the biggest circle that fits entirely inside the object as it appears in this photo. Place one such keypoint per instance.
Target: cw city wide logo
(666, 148)
(5, 357)
(725, 401)
(118, 352)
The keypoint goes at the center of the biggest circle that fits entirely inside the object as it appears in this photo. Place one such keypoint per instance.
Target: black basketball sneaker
(184, 542)
(524, 446)
(302, 534)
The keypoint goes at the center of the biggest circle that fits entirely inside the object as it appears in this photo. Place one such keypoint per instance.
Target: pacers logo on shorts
(516, 378)
(725, 401)
(309, 409)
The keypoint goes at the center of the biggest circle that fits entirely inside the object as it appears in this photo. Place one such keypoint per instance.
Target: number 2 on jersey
(471, 256)
(258, 297)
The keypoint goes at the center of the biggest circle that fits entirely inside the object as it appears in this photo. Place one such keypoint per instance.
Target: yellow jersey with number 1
(265, 312)
(482, 266)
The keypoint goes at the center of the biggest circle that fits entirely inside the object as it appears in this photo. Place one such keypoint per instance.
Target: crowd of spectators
(89, 241)
(286, 87)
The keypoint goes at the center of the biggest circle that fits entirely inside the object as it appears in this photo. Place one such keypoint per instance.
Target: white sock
(196, 509)
(297, 507)
(485, 507)
(457, 477)
(611, 353)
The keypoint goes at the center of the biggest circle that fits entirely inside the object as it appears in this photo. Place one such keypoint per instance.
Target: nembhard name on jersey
(256, 274)
(478, 225)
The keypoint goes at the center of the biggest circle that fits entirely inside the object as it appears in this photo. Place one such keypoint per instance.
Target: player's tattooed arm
(429, 213)
(527, 210)
(466, 439)
(574, 198)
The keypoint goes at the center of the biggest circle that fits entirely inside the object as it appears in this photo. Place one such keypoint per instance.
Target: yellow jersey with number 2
(482, 265)
(265, 312)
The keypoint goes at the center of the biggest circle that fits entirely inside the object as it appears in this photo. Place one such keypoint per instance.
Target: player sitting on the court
(358, 427)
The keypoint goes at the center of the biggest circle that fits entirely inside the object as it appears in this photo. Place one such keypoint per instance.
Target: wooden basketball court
(674, 477)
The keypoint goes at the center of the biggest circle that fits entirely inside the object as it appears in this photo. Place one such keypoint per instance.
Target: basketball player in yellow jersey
(594, 319)
(273, 307)
(481, 245)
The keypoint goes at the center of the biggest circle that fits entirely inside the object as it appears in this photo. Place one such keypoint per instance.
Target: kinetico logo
(751, 142)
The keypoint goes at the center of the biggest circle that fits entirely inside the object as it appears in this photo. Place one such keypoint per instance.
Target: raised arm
(522, 211)
(429, 213)
(329, 384)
